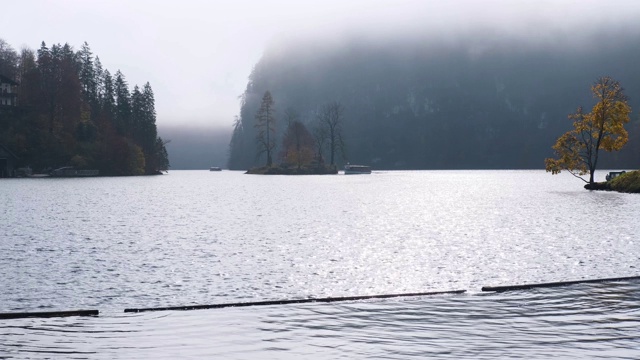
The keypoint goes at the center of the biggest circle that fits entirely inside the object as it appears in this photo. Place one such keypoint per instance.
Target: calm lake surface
(200, 237)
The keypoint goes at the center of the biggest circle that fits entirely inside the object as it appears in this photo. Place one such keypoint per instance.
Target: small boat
(356, 169)
(215, 168)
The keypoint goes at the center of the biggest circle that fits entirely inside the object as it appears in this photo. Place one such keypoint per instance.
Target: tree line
(73, 112)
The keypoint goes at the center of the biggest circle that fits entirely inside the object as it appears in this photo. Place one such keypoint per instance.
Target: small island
(286, 169)
(302, 150)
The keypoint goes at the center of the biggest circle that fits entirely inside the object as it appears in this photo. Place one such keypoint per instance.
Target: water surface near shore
(200, 237)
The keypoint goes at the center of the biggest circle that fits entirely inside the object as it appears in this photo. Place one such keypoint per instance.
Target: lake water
(200, 237)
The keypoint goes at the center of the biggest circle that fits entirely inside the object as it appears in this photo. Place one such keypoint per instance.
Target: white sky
(198, 54)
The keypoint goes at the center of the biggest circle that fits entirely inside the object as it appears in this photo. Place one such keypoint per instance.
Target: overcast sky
(198, 54)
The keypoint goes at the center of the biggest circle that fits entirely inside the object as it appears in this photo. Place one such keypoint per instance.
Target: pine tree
(8, 60)
(108, 100)
(88, 76)
(28, 78)
(98, 72)
(70, 98)
(236, 145)
(137, 115)
(149, 133)
(161, 156)
(48, 90)
(265, 124)
(123, 105)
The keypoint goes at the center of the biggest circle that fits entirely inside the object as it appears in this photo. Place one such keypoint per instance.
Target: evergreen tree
(8, 60)
(70, 102)
(88, 76)
(28, 78)
(48, 91)
(123, 105)
(149, 133)
(161, 157)
(137, 115)
(108, 100)
(98, 72)
(265, 124)
(236, 145)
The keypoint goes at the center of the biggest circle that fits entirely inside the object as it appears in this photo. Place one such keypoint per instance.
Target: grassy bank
(625, 183)
(628, 183)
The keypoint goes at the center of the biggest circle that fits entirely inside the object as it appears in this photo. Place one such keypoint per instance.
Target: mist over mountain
(478, 99)
(192, 148)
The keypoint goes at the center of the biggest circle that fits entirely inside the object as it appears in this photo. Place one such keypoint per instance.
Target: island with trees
(302, 151)
(69, 111)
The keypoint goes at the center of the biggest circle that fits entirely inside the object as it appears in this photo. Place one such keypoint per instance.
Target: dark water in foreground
(202, 238)
(582, 321)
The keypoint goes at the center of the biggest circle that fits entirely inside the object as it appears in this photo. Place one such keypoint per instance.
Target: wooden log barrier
(295, 301)
(48, 314)
(555, 284)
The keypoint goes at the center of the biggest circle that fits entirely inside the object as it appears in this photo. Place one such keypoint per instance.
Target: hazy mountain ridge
(193, 148)
(473, 102)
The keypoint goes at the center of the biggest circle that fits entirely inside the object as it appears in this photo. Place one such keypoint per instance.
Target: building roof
(4, 79)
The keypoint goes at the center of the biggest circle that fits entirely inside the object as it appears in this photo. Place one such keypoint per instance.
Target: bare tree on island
(265, 123)
(319, 134)
(602, 128)
(331, 119)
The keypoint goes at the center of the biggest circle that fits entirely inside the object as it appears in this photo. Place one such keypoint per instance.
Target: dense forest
(471, 102)
(70, 111)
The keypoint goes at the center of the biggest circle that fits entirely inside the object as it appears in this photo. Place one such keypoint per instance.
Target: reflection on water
(201, 237)
(580, 321)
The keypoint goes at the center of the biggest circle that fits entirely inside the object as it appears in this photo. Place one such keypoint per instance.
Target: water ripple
(581, 321)
(194, 238)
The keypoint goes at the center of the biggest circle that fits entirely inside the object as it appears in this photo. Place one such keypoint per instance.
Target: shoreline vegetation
(284, 169)
(69, 112)
(625, 183)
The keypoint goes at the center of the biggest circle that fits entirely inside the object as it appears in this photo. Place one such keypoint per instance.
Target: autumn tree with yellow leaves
(602, 129)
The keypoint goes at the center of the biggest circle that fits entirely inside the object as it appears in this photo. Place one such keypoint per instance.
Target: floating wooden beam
(555, 284)
(295, 301)
(48, 314)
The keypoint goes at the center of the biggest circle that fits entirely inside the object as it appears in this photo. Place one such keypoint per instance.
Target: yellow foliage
(601, 129)
(301, 157)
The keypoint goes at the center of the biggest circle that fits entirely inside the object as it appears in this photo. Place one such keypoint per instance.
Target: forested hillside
(458, 103)
(72, 112)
